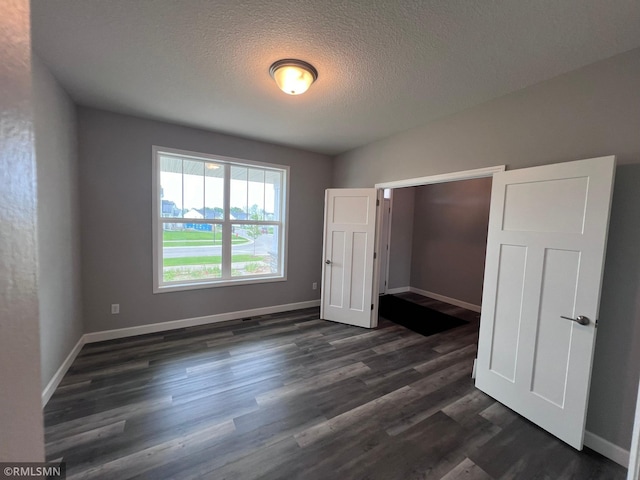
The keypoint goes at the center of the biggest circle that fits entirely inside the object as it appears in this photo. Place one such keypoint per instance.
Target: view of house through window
(218, 220)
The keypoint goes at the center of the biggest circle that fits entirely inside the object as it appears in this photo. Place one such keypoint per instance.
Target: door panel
(336, 285)
(545, 256)
(521, 214)
(350, 210)
(508, 307)
(358, 272)
(551, 362)
(349, 239)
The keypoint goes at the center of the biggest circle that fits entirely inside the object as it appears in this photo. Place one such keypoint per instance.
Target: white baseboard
(59, 375)
(393, 291)
(606, 448)
(193, 322)
(443, 298)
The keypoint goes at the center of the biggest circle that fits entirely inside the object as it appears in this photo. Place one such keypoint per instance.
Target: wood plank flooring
(290, 396)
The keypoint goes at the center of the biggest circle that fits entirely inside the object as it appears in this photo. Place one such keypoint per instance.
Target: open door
(545, 256)
(350, 217)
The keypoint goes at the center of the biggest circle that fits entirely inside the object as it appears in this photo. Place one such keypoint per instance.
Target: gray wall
(590, 112)
(21, 430)
(115, 197)
(58, 221)
(450, 222)
(401, 237)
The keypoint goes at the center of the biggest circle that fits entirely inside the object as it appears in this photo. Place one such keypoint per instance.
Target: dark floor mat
(418, 318)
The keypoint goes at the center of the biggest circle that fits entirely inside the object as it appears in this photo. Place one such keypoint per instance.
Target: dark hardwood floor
(289, 396)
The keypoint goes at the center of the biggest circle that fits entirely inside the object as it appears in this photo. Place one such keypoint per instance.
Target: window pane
(213, 190)
(254, 250)
(272, 192)
(193, 190)
(256, 194)
(170, 187)
(191, 251)
(193, 194)
(238, 194)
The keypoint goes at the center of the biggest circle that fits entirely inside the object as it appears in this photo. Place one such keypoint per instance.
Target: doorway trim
(416, 182)
(385, 238)
(444, 177)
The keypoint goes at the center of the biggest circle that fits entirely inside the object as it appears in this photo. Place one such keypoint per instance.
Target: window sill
(223, 283)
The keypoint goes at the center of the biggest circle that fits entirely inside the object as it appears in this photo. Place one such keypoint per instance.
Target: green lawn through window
(209, 260)
(189, 238)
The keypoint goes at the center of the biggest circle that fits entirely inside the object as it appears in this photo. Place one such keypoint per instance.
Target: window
(217, 220)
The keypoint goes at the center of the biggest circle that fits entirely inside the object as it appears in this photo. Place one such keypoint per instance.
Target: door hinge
(372, 306)
(374, 255)
(377, 202)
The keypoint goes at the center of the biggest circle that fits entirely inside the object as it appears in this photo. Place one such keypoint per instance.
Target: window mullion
(264, 195)
(182, 188)
(226, 226)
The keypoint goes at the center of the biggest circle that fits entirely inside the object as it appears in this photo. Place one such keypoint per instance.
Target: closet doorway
(435, 236)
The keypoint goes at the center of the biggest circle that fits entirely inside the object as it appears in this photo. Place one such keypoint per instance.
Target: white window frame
(161, 287)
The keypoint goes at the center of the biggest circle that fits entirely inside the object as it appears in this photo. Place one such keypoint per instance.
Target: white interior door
(348, 268)
(545, 255)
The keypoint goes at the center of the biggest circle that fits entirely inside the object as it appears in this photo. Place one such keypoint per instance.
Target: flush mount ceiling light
(293, 76)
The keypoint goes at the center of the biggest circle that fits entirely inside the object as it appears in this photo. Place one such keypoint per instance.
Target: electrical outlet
(314, 285)
(115, 308)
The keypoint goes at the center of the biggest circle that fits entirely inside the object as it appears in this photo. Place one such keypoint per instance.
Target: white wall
(58, 221)
(591, 112)
(21, 431)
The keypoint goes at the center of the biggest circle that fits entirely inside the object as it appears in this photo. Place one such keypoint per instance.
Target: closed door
(349, 241)
(545, 256)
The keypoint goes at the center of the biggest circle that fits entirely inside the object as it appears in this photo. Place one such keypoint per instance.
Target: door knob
(581, 319)
(328, 262)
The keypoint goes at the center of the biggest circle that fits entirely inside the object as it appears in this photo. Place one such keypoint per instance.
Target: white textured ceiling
(384, 66)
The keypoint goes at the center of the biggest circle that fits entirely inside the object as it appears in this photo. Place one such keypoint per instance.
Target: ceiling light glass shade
(293, 76)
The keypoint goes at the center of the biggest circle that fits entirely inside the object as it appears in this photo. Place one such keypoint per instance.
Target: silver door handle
(328, 262)
(581, 319)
